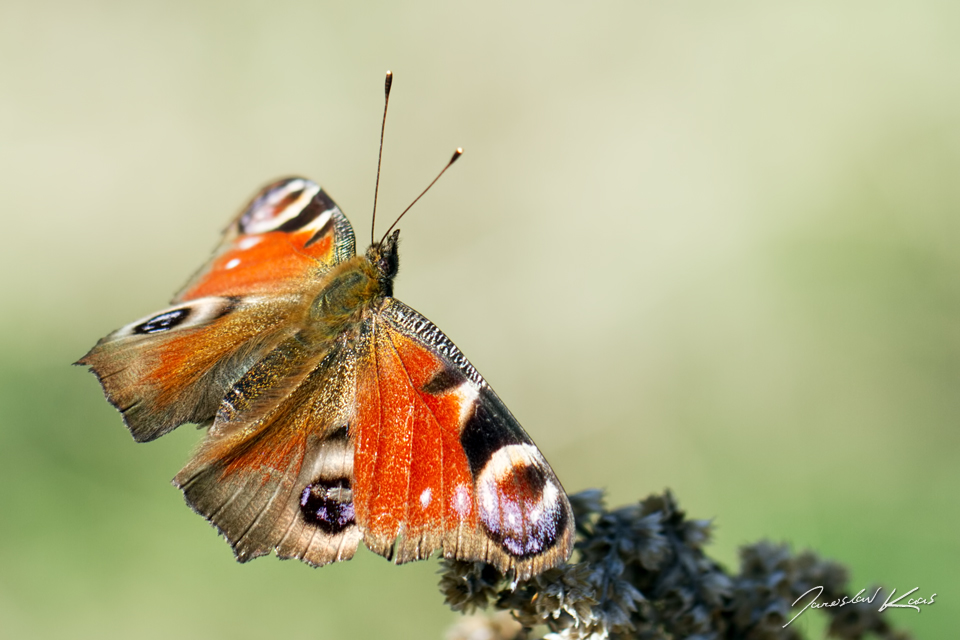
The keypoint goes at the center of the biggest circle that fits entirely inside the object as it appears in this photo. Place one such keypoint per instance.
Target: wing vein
(376, 450)
(416, 399)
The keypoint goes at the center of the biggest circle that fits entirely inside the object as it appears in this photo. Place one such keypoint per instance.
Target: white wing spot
(467, 394)
(547, 504)
(320, 220)
(425, 498)
(232, 263)
(267, 218)
(248, 242)
(488, 495)
(461, 501)
(506, 459)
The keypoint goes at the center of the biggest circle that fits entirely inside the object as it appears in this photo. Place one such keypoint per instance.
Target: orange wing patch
(276, 474)
(412, 477)
(160, 374)
(264, 264)
(288, 233)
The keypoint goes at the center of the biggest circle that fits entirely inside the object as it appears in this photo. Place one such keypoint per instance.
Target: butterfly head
(384, 257)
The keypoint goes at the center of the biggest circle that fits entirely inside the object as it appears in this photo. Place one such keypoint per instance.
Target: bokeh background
(711, 247)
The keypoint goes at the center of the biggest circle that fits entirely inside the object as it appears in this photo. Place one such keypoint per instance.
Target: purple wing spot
(328, 505)
(521, 507)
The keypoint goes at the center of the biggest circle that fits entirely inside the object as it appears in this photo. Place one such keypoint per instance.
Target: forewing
(275, 472)
(175, 366)
(441, 463)
(290, 231)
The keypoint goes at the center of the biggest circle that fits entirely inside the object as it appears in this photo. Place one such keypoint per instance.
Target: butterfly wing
(175, 366)
(276, 469)
(388, 435)
(291, 231)
(441, 463)
(380, 430)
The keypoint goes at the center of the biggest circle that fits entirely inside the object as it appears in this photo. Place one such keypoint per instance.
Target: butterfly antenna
(456, 154)
(383, 126)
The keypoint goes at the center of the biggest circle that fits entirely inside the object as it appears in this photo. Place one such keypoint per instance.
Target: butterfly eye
(163, 322)
(328, 504)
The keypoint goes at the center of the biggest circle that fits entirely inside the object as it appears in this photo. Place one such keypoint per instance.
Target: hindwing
(441, 463)
(275, 472)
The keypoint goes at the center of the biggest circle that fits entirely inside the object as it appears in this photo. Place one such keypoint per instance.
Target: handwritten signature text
(912, 603)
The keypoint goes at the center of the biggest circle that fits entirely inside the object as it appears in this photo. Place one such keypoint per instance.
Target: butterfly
(335, 412)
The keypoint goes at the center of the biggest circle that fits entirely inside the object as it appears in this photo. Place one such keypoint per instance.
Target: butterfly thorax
(356, 286)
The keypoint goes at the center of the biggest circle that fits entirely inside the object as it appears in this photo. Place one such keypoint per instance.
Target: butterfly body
(336, 413)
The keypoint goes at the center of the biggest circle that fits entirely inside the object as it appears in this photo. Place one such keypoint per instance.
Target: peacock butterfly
(336, 413)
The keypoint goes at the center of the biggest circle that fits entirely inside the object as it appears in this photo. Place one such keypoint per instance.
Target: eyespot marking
(163, 322)
(328, 504)
(194, 313)
(341, 433)
(483, 435)
(521, 507)
(307, 214)
(286, 205)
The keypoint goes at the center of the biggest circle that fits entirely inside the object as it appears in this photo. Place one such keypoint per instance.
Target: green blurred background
(704, 246)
